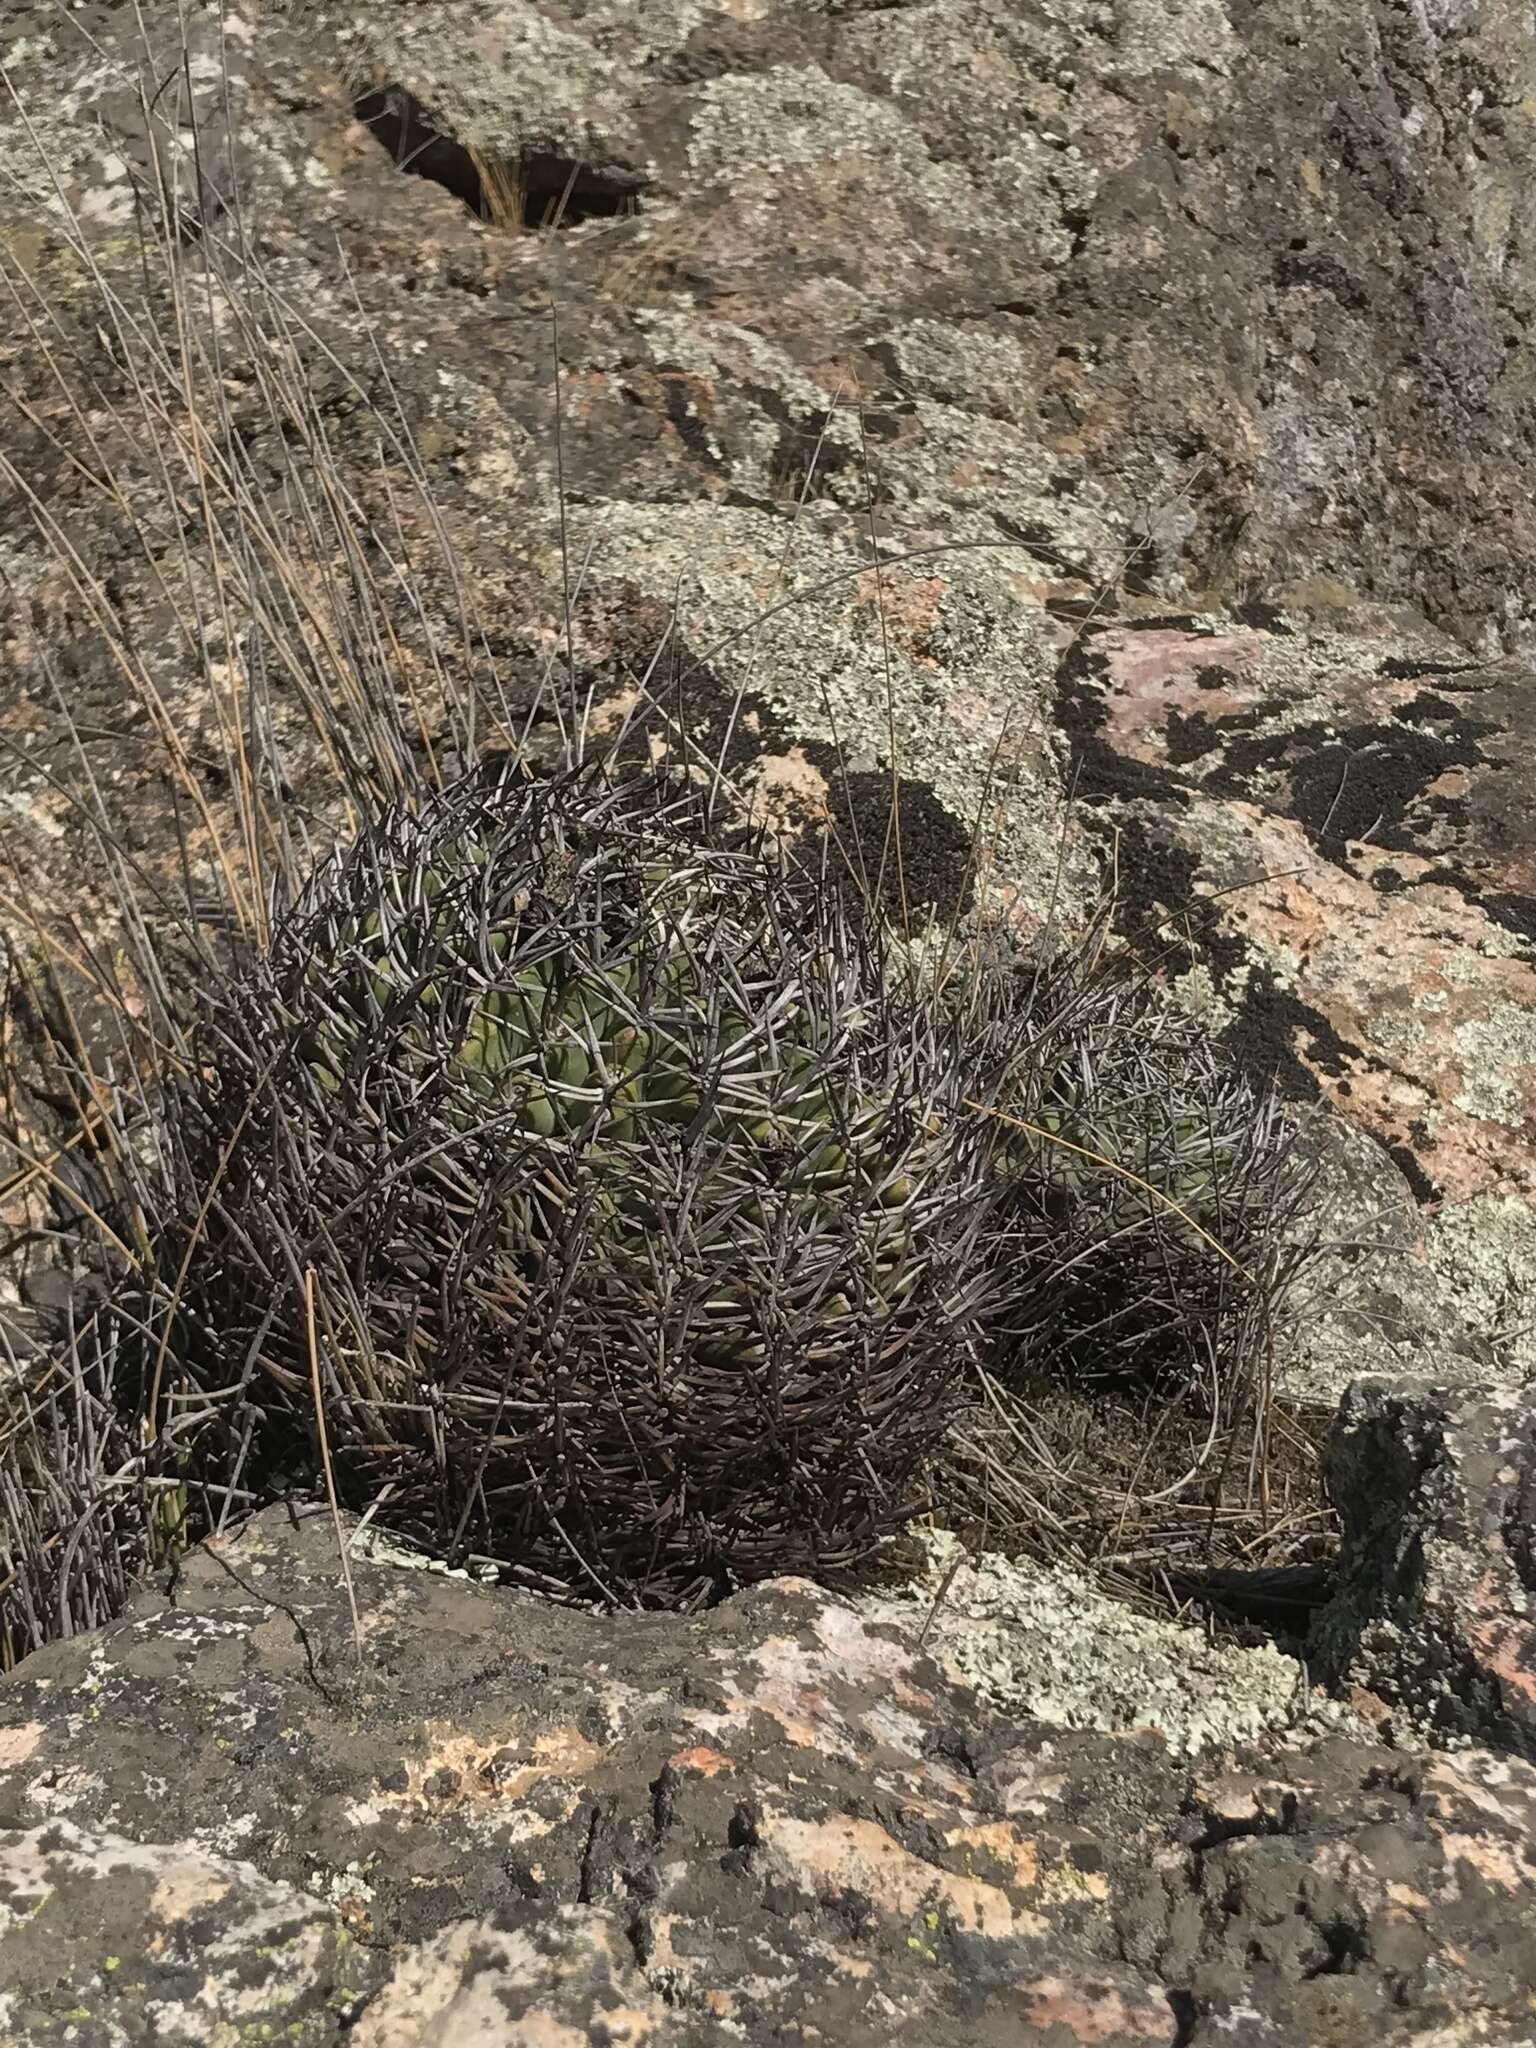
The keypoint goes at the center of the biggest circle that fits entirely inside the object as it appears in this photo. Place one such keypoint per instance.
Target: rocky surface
(1202, 333)
(1433, 1612)
(1111, 423)
(469, 1817)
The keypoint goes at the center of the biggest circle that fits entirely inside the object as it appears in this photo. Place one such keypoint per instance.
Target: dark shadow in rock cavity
(551, 190)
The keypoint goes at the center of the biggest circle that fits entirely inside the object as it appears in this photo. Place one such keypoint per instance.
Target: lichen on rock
(1049, 1645)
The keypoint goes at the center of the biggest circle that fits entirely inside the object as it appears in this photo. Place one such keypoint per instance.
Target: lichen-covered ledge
(483, 1818)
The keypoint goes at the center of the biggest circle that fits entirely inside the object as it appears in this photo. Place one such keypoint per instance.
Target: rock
(1434, 1614)
(1050, 1645)
(1376, 1300)
(1332, 831)
(111, 1939)
(1485, 1254)
(475, 1818)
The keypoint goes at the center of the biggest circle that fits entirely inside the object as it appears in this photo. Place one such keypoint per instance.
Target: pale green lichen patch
(636, 29)
(1197, 995)
(721, 354)
(1499, 943)
(339, 1887)
(942, 654)
(1050, 1646)
(795, 114)
(378, 1547)
(221, 1954)
(1484, 1251)
(971, 365)
(1193, 35)
(1045, 188)
(976, 476)
(501, 78)
(43, 151)
(1063, 40)
(1498, 1065)
(983, 476)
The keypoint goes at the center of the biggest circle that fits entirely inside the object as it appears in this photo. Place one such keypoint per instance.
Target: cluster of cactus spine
(629, 1125)
(1152, 1213)
(657, 1211)
(583, 1032)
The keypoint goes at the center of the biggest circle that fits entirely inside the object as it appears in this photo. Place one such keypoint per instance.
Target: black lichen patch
(1425, 1191)
(1097, 771)
(1156, 875)
(1367, 782)
(1254, 754)
(1253, 611)
(1190, 736)
(1187, 739)
(1080, 677)
(1405, 668)
(678, 397)
(1425, 706)
(1516, 913)
(802, 452)
(926, 864)
(1167, 927)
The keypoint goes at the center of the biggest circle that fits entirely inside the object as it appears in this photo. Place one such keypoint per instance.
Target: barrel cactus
(1152, 1217)
(623, 1205)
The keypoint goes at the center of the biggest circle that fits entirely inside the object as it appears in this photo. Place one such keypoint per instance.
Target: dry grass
(1146, 1493)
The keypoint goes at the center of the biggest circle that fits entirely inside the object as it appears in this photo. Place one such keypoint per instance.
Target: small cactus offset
(645, 1217)
(1152, 1217)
